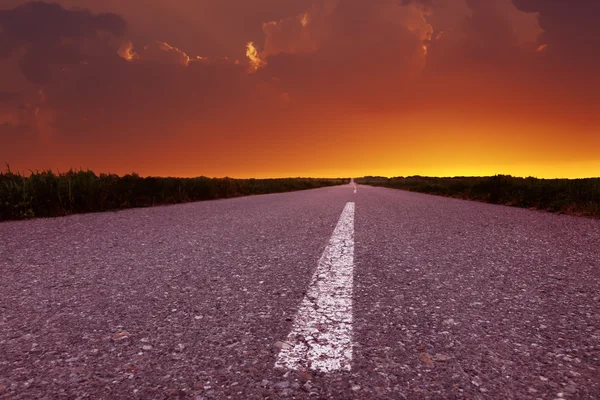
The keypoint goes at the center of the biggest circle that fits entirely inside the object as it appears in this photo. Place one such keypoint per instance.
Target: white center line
(321, 336)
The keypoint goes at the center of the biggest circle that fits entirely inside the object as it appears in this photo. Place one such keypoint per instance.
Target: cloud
(336, 23)
(347, 51)
(163, 53)
(18, 115)
(380, 54)
(387, 54)
(49, 39)
(255, 59)
(499, 22)
(97, 83)
(302, 62)
(301, 33)
(570, 26)
(9, 97)
(472, 33)
(207, 27)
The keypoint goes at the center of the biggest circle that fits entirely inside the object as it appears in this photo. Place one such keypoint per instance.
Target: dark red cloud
(570, 26)
(176, 76)
(325, 54)
(49, 38)
(200, 27)
(377, 54)
(8, 97)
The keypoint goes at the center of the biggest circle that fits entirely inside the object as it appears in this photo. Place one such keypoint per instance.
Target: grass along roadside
(567, 196)
(46, 194)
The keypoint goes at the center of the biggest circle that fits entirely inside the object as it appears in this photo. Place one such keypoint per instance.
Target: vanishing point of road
(333, 293)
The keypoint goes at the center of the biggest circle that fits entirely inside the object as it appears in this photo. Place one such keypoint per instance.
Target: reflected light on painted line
(321, 336)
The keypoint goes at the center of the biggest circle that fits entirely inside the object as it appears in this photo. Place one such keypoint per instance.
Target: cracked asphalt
(451, 300)
(321, 337)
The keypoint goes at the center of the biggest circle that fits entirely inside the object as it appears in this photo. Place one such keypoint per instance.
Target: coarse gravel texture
(452, 300)
(463, 300)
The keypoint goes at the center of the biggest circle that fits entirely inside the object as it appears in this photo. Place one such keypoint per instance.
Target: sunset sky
(272, 88)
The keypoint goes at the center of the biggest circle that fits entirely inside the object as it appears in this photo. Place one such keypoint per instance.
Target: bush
(569, 196)
(46, 194)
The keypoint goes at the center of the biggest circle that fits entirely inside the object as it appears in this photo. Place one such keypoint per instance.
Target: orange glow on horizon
(443, 146)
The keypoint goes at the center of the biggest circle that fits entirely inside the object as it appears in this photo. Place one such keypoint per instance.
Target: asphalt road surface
(320, 294)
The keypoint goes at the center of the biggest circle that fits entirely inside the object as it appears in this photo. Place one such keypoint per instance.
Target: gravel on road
(451, 300)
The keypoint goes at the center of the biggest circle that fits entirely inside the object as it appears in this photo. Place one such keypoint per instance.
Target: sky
(323, 88)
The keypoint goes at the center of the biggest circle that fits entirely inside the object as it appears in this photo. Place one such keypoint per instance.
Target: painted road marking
(321, 336)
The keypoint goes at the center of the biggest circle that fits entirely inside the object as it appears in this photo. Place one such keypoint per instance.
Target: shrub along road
(449, 299)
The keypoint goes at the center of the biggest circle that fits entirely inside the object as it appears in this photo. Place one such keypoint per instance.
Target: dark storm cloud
(570, 26)
(348, 52)
(141, 96)
(392, 55)
(211, 28)
(426, 4)
(8, 97)
(38, 22)
(49, 38)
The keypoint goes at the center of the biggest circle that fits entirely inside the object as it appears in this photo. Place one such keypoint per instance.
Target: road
(428, 298)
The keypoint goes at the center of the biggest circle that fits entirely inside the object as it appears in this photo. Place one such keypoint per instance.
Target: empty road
(332, 293)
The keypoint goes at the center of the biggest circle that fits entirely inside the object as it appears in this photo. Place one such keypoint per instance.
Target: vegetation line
(46, 194)
(566, 196)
